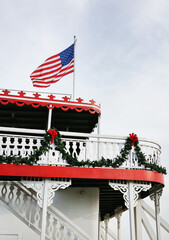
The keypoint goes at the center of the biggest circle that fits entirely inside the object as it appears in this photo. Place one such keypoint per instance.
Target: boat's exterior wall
(12, 228)
(80, 205)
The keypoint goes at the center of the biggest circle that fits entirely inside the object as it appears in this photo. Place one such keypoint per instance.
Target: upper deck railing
(18, 142)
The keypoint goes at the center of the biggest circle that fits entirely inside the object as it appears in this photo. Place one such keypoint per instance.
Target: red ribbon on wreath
(133, 137)
(53, 134)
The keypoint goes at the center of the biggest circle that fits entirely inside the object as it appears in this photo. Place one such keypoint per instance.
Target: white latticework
(53, 186)
(137, 187)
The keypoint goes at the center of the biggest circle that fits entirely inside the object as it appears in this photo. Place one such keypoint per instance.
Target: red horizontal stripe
(47, 73)
(50, 62)
(60, 74)
(80, 172)
(57, 77)
(45, 64)
(54, 56)
(42, 86)
(46, 68)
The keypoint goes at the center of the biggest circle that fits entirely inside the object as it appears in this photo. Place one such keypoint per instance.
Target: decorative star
(37, 95)
(92, 102)
(80, 100)
(66, 99)
(21, 94)
(6, 92)
(51, 97)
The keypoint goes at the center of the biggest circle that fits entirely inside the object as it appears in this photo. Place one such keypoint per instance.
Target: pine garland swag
(73, 161)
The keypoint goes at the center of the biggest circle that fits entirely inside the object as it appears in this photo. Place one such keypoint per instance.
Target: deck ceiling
(27, 116)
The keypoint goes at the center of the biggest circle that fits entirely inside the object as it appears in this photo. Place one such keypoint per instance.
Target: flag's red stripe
(36, 85)
(55, 78)
(46, 68)
(49, 77)
(46, 73)
(50, 62)
(42, 66)
(33, 75)
(54, 56)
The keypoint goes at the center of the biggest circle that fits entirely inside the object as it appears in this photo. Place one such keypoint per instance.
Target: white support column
(156, 197)
(131, 211)
(49, 118)
(106, 221)
(138, 222)
(157, 213)
(44, 209)
(118, 212)
(118, 226)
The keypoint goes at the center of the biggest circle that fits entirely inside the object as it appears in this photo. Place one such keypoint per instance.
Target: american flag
(54, 68)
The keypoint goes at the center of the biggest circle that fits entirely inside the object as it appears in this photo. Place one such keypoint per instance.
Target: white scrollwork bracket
(123, 187)
(52, 185)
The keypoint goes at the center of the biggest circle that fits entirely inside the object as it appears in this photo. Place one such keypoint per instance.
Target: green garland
(73, 161)
(33, 158)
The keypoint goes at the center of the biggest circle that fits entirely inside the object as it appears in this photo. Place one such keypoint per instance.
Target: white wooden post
(44, 209)
(138, 222)
(106, 228)
(118, 213)
(118, 226)
(131, 211)
(156, 198)
(157, 212)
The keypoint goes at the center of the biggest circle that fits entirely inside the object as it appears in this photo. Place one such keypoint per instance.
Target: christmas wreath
(53, 135)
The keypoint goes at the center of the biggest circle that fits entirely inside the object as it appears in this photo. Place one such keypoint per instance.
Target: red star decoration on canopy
(51, 97)
(21, 94)
(6, 92)
(92, 102)
(37, 95)
(80, 100)
(66, 99)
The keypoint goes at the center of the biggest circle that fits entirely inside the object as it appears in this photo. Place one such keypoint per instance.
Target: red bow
(133, 137)
(53, 134)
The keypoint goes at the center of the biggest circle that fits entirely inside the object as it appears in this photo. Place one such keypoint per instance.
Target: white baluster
(58, 230)
(114, 150)
(81, 155)
(72, 236)
(65, 233)
(107, 150)
(37, 217)
(8, 150)
(24, 207)
(67, 146)
(50, 228)
(74, 153)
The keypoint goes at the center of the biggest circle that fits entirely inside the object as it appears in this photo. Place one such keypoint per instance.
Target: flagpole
(75, 40)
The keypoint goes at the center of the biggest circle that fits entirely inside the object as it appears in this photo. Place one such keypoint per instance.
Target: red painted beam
(79, 172)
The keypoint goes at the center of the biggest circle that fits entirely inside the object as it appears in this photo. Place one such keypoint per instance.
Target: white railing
(42, 94)
(23, 203)
(83, 146)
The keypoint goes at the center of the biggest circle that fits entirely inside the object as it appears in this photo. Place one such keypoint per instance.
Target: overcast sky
(122, 59)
